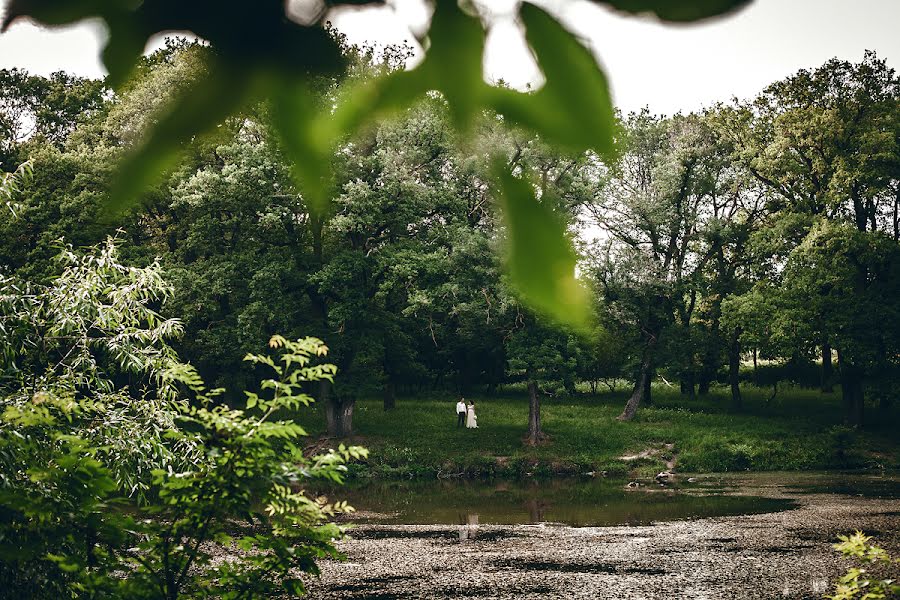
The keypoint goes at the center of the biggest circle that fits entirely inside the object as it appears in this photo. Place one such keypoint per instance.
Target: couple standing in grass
(466, 413)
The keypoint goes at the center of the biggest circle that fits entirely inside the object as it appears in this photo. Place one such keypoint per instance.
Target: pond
(574, 502)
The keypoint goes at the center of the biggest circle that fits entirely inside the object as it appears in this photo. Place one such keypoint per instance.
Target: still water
(575, 502)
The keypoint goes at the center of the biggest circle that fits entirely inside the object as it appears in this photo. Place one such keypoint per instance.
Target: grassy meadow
(799, 430)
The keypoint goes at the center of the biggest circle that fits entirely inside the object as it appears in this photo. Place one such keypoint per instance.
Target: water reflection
(468, 504)
(468, 529)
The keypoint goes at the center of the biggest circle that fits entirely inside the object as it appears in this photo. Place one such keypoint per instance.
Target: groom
(460, 413)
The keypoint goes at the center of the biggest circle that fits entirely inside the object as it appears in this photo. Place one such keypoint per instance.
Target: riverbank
(784, 554)
(798, 430)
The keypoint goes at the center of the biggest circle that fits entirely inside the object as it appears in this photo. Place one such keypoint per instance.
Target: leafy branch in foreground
(107, 493)
(858, 582)
(261, 53)
(242, 500)
(251, 483)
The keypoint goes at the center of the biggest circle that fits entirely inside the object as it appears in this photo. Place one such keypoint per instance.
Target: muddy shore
(785, 554)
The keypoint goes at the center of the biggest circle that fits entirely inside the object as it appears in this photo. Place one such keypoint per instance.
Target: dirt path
(774, 555)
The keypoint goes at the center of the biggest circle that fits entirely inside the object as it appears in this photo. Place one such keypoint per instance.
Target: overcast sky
(665, 67)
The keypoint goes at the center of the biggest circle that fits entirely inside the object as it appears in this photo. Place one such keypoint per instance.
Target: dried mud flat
(774, 555)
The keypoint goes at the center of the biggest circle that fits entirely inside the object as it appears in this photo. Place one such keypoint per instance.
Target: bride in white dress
(471, 419)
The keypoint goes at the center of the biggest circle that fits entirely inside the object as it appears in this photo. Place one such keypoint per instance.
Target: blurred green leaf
(292, 113)
(540, 260)
(456, 47)
(60, 12)
(262, 53)
(673, 10)
(573, 109)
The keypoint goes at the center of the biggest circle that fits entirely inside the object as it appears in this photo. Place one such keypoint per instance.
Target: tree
(661, 206)
(43, 109)
(824, 143)
(545, 357)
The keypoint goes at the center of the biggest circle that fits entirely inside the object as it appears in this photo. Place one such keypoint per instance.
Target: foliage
(699, 262)
(45, 109)
(252, 470)
(11, 185)
(74, 443)
(84, 356)
(263, 54)
(857, 582)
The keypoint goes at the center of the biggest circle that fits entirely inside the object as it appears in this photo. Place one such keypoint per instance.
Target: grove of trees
(766, 228)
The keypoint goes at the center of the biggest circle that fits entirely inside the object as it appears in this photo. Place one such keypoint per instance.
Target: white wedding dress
(471, 419)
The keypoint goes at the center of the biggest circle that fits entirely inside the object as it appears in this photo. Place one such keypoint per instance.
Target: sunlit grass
(799, 430)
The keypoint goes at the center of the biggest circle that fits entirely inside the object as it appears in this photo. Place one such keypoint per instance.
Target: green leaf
(58, 12)
(573, 108)
(293, 111)
(675, 10)
(541, 259)
(452, 66)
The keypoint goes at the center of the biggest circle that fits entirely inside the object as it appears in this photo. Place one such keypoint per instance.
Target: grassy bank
(799, 430)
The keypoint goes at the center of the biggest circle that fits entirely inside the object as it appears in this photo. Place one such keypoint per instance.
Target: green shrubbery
(859, 582)
(157, 493)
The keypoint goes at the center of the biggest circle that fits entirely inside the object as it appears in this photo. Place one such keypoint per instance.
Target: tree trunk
(703, 385)
(827, 369)
(338, 412)
(389, 394)
(641, 390)
(851, 391)
(755, 374)
(687, 384)
(534, 413)
(734, 369)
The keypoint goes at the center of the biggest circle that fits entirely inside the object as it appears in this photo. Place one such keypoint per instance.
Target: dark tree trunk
(827, 368)
(755, 374)
(390, 395)
(703, 385)
(338, 412)
(687, 384)
(534, 413)
(851, 391)
(641, 390)
(734, 369)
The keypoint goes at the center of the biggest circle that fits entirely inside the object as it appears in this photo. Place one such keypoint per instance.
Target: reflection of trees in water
(468, 528)
(536, 509)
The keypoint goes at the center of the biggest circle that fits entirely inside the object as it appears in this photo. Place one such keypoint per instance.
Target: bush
(859, 582)
(212, 480)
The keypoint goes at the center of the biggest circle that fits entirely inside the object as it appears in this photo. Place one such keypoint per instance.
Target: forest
(745, 233)
(741, 261)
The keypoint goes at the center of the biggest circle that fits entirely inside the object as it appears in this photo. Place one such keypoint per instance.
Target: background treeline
(765, 230)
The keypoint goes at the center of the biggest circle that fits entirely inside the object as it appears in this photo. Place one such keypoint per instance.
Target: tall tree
(655, 206)
(826, 143)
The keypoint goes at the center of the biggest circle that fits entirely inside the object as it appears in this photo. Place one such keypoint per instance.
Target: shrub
(211, 479)
(858, 582)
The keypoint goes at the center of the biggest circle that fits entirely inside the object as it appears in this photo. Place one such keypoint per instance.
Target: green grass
(800, 430)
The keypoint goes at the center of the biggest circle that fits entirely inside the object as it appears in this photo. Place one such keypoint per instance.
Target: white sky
(666, 67)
